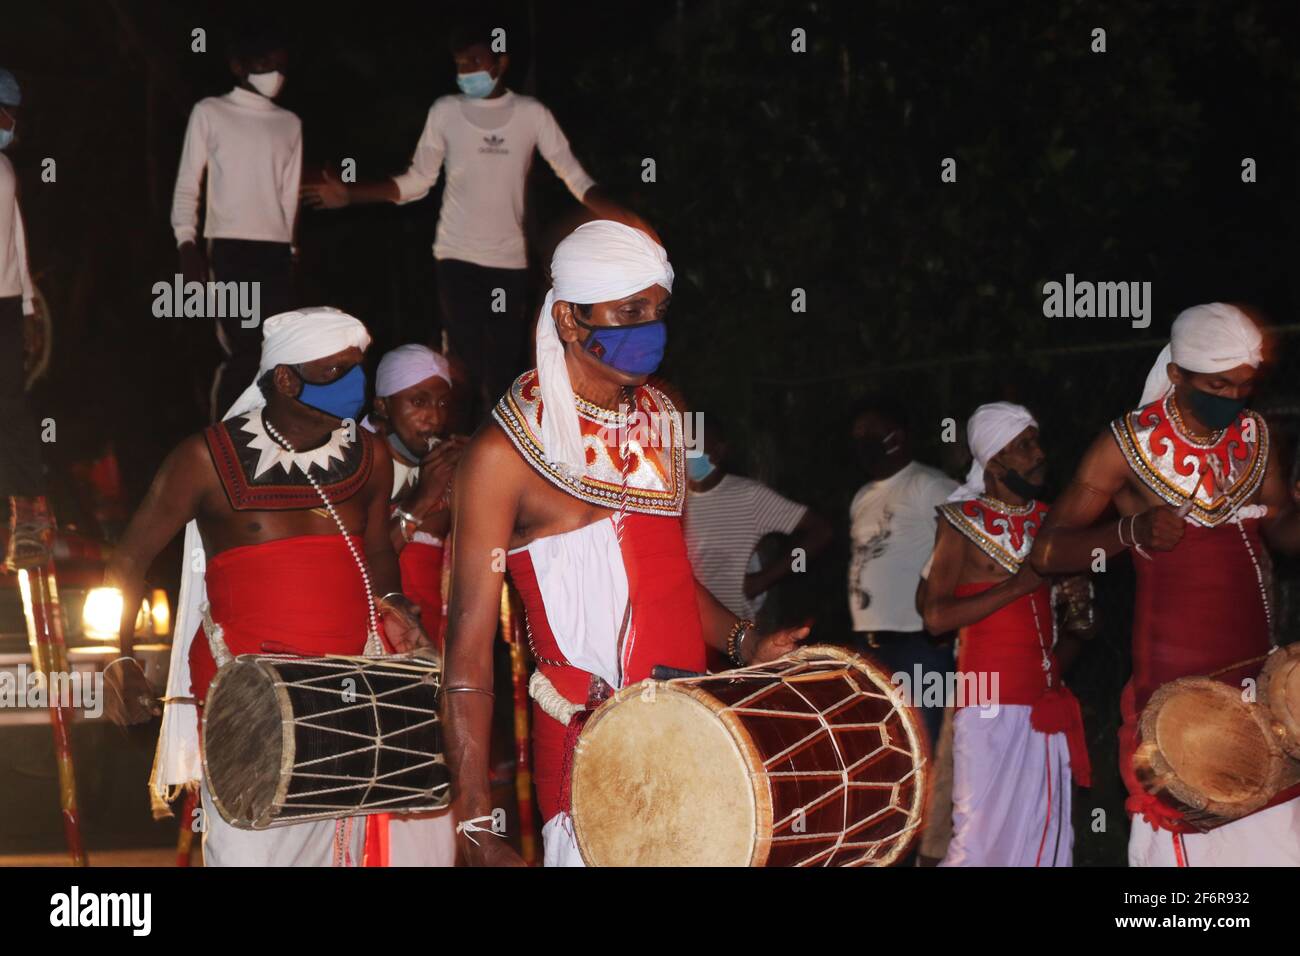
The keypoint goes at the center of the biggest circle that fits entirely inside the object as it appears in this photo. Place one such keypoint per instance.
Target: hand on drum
(778, 644)
(129, 698)
(402, 628)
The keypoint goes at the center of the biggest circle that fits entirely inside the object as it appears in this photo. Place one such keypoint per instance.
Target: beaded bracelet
(734, 640)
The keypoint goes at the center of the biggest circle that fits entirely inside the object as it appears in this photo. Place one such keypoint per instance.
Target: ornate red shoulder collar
(1179, 468)
(1003, 532)
(257, 476)
(646, 443)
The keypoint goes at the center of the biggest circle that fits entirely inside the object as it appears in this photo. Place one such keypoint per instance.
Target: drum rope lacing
(880, 692)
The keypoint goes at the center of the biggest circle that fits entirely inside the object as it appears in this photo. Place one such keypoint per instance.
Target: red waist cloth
(421, 566)
(665, 616)
(1009, 643)
(299, 595)
(1198, 609)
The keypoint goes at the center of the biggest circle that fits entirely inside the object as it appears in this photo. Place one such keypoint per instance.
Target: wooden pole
(50, 656)
(512, 631)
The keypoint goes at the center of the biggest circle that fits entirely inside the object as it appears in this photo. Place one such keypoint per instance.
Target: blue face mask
(343, 398)
(476, 85)
(699, 467)
(634, 349)
(7, 135)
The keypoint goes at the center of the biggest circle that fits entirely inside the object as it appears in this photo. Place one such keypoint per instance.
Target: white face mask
(268, 84)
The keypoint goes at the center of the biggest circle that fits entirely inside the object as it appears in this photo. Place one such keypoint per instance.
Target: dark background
(775, 170)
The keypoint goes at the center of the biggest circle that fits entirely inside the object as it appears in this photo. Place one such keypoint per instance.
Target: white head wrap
(409, 365)
(598, 262)
(289, 338)
(1205, 338)
(990, 430)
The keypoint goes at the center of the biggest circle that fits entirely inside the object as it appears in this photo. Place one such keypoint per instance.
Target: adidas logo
(493, 144)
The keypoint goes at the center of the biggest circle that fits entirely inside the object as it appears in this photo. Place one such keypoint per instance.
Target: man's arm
(189, 178)
(1070, 537)
(485, 505)
(414, 184)
(172, 500)
(941, 610)
(292, 178)
(717, 622)
(24, 271)
(385, 575)
(811, 536)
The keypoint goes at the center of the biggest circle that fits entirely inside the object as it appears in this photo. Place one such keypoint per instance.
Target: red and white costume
(607, 602)
(297, 595)
(1199, 609)
(1013, 755)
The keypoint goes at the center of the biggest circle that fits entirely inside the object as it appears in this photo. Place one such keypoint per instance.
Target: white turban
(1205, 338)
(292, 338)
(289, 338)
(409, 365)
(598, 262)
(990, 429)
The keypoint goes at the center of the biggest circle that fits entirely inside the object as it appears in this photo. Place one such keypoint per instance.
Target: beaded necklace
(373, 645)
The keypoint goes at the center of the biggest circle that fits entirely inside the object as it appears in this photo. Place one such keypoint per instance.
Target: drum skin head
(696, 804)
(243, 743)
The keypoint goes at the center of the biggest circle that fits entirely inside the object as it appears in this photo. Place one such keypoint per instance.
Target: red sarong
(1198, 609)
(1009, 643)
(299, 595)
(665, 615)
(421, 566)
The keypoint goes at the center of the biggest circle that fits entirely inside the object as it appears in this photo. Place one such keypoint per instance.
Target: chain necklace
(373, 644)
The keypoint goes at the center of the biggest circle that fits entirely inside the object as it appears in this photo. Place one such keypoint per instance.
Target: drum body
(810, 760)
(288, 739)
(1210, 752)
(1279, 691)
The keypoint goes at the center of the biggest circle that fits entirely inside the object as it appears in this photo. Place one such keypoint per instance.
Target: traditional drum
(1279, 691)
(810, 760)
(288, 739)
(1209, 752)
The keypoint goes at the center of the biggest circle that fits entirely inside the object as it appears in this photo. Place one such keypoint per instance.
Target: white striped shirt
(724, 526)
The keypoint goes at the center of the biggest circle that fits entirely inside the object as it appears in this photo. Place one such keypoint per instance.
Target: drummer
(1198, 489)
(270, 556)
(1017, 731)
(413, 394)
(591, 535)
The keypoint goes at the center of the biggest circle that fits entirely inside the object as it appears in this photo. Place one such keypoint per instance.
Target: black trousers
(493, 345)
(20, 441)
(270, 264)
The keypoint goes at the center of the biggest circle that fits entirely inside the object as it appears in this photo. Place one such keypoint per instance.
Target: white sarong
(300, 844)
(1011, 792)
(1268, 838)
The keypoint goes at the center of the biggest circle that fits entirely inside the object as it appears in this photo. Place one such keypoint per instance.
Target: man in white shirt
(727, 516)
(892, 526)
(21, 480)
(485, 137)
(251, 151)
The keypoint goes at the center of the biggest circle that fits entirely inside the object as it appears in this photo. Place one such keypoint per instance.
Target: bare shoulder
(491, 462)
